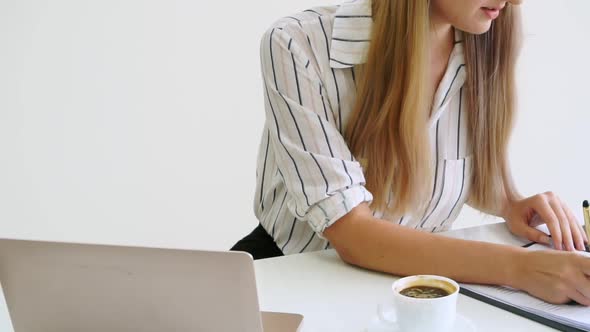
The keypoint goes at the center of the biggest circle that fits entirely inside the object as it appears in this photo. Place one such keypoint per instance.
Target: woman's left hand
(522, 216)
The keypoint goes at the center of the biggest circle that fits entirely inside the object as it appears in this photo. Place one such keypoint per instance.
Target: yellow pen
(586, 208)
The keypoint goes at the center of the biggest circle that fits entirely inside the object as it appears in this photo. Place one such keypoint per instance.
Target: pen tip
(585, 204)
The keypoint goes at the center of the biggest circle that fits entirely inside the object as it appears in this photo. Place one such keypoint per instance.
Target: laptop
(67, 287)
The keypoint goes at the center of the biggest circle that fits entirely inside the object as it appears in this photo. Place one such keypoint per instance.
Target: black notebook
(565, 317)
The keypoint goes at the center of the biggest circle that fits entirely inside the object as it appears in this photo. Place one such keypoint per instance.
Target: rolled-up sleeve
(323, 179)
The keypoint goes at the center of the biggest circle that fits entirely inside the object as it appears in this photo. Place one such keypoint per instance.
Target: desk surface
(334, 296)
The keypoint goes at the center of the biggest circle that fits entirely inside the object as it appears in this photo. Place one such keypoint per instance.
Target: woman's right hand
(555, 276)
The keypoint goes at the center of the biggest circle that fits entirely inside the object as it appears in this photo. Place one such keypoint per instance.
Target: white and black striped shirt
(307, 178)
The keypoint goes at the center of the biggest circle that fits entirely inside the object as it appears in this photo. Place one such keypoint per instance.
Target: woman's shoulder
(311, 18)
(311, 26)
(336, 37)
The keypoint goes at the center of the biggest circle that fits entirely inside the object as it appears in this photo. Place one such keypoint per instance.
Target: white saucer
(462, 324)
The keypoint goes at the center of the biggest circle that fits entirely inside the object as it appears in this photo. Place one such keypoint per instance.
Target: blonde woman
(383, 118)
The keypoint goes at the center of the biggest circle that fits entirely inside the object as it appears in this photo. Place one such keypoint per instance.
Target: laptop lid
(63, 287)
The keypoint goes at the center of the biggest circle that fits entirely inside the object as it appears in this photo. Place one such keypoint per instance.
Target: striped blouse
(307, 178)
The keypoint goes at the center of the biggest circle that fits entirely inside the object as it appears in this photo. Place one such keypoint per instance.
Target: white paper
(573, 315)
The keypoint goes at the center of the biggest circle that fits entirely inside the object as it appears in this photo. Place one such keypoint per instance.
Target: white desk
(334, 296)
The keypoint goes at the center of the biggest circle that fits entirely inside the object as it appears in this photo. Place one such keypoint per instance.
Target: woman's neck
(441, 46)
(441, 36)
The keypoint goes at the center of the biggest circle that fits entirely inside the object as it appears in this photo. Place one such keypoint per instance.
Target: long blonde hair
(388, 126)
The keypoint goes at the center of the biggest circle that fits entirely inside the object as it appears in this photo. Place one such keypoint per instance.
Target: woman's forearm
(365, 241)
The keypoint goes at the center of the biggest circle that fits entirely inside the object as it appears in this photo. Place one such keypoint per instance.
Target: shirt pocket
(450, 192)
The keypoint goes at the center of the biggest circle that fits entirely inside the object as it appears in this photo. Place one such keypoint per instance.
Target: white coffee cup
(412, 314)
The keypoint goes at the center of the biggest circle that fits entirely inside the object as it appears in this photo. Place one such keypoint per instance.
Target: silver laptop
(67, 287)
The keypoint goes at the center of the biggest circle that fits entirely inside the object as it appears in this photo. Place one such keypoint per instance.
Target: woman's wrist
(506, 208)
(516, 269)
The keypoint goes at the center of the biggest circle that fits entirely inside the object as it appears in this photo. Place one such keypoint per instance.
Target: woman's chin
(478, 29)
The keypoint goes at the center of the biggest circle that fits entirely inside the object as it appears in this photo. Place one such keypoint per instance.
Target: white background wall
(137, 122)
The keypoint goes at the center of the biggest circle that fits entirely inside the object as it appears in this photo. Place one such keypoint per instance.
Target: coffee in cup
(421, 303)
(424, 292)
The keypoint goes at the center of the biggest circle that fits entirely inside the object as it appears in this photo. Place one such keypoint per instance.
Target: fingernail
(559, 247)
(546, 240)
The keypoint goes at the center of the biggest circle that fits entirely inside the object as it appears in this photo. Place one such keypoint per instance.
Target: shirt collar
(351, 34)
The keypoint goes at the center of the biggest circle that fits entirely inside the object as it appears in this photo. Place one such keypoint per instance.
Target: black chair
(259, 244)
